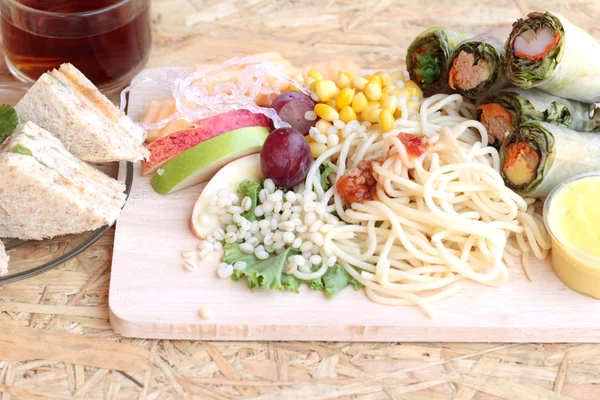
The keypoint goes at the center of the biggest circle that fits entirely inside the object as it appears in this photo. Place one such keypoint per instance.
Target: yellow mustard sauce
(573, 218)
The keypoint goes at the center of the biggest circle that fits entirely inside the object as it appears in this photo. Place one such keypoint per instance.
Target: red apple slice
(167, 147)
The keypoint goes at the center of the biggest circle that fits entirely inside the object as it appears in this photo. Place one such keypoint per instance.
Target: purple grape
(286, 97)
(291, 108)
(285, 157)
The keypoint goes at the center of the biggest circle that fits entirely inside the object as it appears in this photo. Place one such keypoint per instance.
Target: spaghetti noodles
(437, 218)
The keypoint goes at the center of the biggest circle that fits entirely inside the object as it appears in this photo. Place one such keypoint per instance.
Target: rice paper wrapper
(448, 40)
(585, 118)
(577, 73)
(494, 40)
(572, 153)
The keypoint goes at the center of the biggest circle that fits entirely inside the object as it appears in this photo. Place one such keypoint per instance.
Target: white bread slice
(3, 260)
(67, 104)
(46, 192)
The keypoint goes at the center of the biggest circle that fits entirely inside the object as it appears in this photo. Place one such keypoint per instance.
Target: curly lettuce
(270, 274)
(8, 121)
(427, 56)
(487, 48)
(250, 189)
(519, 103)
(326, 170)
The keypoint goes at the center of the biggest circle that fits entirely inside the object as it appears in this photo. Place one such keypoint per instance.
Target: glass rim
(22, 7)
(547, 204)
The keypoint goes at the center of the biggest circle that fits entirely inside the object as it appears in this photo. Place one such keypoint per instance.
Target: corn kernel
(410, 83)
(373, 90)
(371, 114)
(325, 89)
(316, 149)
(398, 113)
(344, 98)
(293, 88)
(409, 92)
(342, 81)
(310, 81)
(375, 78)
(359, 82)
(419, 92)
(373, 104)
(387, 89)
(349, 74)
(347, 114)
(326, 112)
(316, 75)
(404, 91)
(390, 104)
(359, 102)
(313, 86)
(331, 103)
(323, 125)
(386, 120)
(386, 79)
(309, 139)
(383, 97)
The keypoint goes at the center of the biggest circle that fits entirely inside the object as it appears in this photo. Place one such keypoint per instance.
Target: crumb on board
(190, 265)
(205, 313)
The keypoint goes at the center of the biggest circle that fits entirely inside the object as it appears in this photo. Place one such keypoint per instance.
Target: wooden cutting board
(153, 296)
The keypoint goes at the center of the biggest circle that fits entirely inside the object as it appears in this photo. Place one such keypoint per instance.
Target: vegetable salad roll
(538, 156)
(427, 57)
(547, 51)
(504, 111)
(475, 65)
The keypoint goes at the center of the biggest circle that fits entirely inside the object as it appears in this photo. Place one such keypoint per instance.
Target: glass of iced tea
(108, 40)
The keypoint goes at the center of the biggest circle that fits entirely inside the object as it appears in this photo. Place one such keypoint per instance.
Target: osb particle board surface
(318, 370)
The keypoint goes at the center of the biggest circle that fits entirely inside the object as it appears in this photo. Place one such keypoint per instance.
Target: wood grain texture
(153, 296)
(302, 31)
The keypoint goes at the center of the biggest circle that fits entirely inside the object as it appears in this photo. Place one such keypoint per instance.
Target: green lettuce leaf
(290, 282)
(316, 284)
(337, 278)
(20, 149)
(269, 274)
(8, 121)
(250, 189)
(429, 68)
(326, 169)
(265, 274)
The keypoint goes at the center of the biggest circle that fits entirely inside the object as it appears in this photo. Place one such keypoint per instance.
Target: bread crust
(68, 105)
(50, 193)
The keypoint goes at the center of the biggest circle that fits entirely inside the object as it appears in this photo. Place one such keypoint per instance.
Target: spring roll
(548, 52)
(504, 111)
(538, 156)
(475, 65)
(427, 57)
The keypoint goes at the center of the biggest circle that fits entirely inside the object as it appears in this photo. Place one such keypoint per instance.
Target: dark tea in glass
(108, 40)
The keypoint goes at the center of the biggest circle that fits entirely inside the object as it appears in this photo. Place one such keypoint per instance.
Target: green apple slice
(228, 177)
(200, 163)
